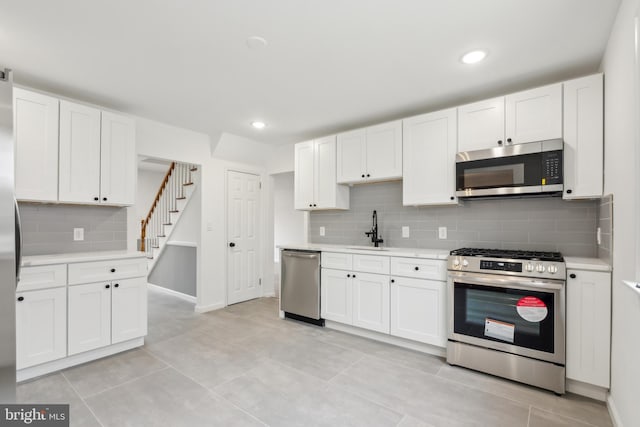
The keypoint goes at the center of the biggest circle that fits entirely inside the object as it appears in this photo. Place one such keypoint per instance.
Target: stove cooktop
(509, 254)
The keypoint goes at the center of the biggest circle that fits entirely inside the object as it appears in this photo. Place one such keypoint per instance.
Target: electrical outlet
(322, 231)
(405, 231)
(442, 232)
(78, 234)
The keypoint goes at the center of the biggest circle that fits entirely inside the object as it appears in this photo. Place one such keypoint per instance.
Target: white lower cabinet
(589, 326)
(336, 295)
(371, 301)
(41, 326)
(89, 317)
(418, 310)
(128, 309)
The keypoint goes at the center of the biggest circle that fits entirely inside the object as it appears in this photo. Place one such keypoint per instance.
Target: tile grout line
(529, 416)
(207, 388)
(563, 416)
(126, 382)
(81, 399)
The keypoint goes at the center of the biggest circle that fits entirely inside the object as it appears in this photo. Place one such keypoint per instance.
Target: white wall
(289, 225)
(281, 159)
(238, 149)
(621, 116)
(188, 228)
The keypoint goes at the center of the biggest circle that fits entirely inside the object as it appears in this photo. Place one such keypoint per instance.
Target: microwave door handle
(18, 240)
(506, 281)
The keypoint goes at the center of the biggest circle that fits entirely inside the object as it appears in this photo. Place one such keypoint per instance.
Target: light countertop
(369, 250)
(29, 261)
(592, 264)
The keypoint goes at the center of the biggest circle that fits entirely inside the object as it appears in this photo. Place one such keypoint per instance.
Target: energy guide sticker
(499, 330)
(532, 309)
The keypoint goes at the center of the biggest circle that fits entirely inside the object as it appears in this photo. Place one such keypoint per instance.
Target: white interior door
(243, 235)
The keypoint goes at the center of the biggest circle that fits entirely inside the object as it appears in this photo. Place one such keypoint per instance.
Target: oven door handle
(505, 281)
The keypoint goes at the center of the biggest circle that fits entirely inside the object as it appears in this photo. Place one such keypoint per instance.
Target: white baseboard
(210, 307)
(615, 416)
(389, 339)
(587, 390)
(172, 292)
(77, 359)
(269, 295)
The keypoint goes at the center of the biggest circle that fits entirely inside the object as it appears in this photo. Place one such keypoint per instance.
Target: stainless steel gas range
(507, 314)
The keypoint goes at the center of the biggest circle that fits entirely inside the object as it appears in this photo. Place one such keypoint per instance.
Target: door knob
(232, 245)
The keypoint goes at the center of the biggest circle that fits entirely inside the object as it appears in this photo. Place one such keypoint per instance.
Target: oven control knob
(456, 262)
(540, 268)
(529, 267)
(553, 269)
(465, 263)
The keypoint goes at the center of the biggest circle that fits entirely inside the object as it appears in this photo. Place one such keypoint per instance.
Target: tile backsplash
(545, 223)
(48, 229)
(605, 223)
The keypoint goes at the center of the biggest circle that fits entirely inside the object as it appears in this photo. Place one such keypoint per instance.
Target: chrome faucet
(374, 231)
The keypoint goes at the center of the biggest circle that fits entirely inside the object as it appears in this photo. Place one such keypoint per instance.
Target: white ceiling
(330, 65)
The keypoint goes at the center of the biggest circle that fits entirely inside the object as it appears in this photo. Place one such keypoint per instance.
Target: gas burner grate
(510, 254)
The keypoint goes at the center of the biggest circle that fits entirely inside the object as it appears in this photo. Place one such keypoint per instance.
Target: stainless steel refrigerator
(9, 243)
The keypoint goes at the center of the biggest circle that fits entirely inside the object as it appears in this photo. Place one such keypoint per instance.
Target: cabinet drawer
(432, 269)
(371, 264)
(97, 271)
(42, 277)
(337, 260)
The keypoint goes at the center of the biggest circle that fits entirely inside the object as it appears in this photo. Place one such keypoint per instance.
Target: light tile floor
(243, 366)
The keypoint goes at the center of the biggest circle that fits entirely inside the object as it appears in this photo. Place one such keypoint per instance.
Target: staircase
(172, 198)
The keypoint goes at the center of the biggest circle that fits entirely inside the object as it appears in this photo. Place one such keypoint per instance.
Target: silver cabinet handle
(18, 239)
(300, 255)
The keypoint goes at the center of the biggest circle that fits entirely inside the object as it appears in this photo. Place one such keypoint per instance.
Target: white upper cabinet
(36, 134)
(79, 153)
(429, 154)
(481, 125)
(315, 176)
(117, 159)
(583, 137)
(371, 154)
(531, 115)
(534, 115)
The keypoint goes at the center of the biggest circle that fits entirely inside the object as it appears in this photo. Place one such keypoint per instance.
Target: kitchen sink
(368, 249)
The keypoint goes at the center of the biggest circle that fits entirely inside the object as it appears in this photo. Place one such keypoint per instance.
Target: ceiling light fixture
(474, 56)
(258, 125)
(256, 43)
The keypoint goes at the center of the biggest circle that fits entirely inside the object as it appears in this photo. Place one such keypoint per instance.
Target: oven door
(522, 316)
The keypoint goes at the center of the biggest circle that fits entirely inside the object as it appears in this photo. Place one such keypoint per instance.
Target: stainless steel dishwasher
(300, 289)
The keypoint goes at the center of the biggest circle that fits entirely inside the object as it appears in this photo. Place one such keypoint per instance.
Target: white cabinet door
(41, 326)
(384, 151)
(118, 166)
(418, 310)
(325, 173)
(588, 326)
(534, 115)
(89, 317)
(336, 295)
(583, 137)
(79, 169)
(352, 157)
(304, 158)
(429, 159)
(36, 134)
(371, 301)
(128, 309)
(481, 125)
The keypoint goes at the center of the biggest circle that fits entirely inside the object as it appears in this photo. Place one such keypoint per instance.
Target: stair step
(161, 235)
(150, 257)
(193, 169)
(180, 198)
(155, 247)
(174, 211)
(188, 183)
(168, 223)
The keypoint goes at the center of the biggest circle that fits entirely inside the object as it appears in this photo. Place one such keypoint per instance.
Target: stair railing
(165, 203)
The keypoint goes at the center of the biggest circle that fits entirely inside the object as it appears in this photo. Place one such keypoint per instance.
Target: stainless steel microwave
(531, 168)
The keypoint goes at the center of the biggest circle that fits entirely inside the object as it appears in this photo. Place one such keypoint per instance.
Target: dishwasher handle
(300, 255)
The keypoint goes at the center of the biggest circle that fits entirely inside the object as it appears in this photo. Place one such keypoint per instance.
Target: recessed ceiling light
(258, 125)
(474, 56)
(256, 43)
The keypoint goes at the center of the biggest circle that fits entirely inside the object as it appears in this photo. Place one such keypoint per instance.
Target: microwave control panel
(552, 167)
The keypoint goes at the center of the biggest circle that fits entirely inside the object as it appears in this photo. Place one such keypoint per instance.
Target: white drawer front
(98, 271)
(42, 277)
(337, 260)
(419, 268)
(371, 264)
